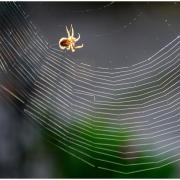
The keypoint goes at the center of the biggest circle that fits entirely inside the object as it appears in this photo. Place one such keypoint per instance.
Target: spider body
(65, 43)
(69, 43)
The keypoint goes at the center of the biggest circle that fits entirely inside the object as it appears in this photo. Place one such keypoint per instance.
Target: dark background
(113, 33)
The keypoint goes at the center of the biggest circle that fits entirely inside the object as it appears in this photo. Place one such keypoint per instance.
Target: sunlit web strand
(19, 45)
(136, 104)
(112, 78)
(132, 172)
(115, 85)
(94, 9)
(172, 106)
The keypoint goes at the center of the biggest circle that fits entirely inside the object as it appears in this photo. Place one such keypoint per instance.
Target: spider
(69, 43)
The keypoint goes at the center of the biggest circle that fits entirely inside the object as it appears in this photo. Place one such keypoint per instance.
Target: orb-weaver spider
(69, 43)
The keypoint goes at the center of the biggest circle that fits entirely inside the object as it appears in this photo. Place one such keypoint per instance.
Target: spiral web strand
(93, 111)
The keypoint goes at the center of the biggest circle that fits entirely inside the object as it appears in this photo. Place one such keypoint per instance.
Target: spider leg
(68, 48)
(77, 39)
(72, 31)
(68, 33)
(72, 48)
(77, 47)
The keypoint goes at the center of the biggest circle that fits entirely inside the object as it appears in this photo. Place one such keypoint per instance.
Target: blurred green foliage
(100, 146)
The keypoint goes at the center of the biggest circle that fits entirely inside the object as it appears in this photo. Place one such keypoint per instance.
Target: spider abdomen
(65, 42)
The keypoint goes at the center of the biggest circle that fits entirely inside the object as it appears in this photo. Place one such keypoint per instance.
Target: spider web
(104, 117)
(94, 9)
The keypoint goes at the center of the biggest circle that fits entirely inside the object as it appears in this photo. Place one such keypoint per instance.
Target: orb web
(105, 117)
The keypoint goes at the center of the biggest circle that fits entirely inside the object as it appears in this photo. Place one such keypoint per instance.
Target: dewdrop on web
(69, 42)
